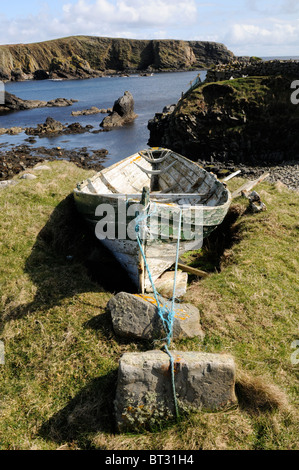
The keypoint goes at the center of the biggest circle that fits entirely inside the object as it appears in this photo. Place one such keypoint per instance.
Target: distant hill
(86, 56)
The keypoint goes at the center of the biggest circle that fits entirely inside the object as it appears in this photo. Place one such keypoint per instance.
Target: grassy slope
(58, 382)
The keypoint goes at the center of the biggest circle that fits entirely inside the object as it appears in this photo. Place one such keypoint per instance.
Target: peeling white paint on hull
(176, 185)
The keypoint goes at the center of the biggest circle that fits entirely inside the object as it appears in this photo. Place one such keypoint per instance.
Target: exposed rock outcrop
(86, 57)
(41, 75)
(53, 127)
(13, 103)
(11, 130)
(49, 128)
(92, 110)
(71, 67)
(249, 119)
(60, 102)
(23, 157)
(122, 112)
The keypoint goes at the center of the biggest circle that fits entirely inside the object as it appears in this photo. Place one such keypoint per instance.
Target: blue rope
(166, 315)
(175, 272)
(163, 310)
(173, 382)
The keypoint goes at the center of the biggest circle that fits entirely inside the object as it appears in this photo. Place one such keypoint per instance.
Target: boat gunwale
(205, 207)
(83, 184)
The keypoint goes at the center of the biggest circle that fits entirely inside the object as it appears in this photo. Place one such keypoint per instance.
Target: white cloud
(120, 18)
(206, 37)
(132, 13)
(278, 33)
(290, 6)
(251, 27)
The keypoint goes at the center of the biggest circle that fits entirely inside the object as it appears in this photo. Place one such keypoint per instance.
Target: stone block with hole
(136, 317)
(144, 396)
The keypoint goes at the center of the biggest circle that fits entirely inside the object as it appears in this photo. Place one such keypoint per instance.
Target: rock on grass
(144, 396)
(136, 317)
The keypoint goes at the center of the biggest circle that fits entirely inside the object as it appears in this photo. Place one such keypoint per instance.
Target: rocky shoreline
(250, 120)
(51, 128)
(14, 103)
(286, 172)
(23, 157)
(121, 114)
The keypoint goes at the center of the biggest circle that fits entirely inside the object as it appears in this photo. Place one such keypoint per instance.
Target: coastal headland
(239, 113)
(87, 57)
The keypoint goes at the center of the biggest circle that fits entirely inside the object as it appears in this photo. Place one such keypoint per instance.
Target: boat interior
(170, 177)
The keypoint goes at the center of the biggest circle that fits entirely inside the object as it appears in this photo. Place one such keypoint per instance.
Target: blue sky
(247, 27)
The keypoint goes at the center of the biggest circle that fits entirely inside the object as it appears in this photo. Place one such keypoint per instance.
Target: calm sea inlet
(150, 94)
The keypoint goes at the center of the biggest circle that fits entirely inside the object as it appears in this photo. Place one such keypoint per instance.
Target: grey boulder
(122, 112)
(137, 317)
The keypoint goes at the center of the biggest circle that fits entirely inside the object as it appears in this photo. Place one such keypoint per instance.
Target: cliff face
(84, 56)
(247, 119)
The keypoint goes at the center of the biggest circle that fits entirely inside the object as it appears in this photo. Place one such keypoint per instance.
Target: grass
(242, 95)
(61, 355)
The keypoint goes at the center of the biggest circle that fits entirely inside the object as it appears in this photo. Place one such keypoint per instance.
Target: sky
(261, 28)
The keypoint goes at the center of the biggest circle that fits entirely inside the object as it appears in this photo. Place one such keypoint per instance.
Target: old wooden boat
(178, 190)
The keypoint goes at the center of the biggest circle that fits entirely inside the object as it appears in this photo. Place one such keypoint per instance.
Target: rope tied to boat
(166, 314)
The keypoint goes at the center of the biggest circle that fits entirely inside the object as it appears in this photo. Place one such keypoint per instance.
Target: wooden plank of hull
(159, 255)
(127, 254)
(87, 204)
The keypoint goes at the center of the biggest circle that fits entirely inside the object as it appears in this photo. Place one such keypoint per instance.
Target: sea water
(150, 93)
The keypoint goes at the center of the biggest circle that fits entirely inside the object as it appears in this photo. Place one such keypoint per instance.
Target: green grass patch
(61, 355)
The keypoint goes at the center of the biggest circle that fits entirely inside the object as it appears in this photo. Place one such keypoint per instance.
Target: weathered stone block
(136, 317)
(144, 392)
(164, 284)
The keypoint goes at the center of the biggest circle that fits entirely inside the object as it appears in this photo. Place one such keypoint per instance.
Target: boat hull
(161, 240)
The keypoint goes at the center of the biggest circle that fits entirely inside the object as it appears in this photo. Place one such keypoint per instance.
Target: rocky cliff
(249, 120)
(85, 56)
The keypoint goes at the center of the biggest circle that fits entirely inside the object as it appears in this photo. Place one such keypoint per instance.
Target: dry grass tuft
(255, 395)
